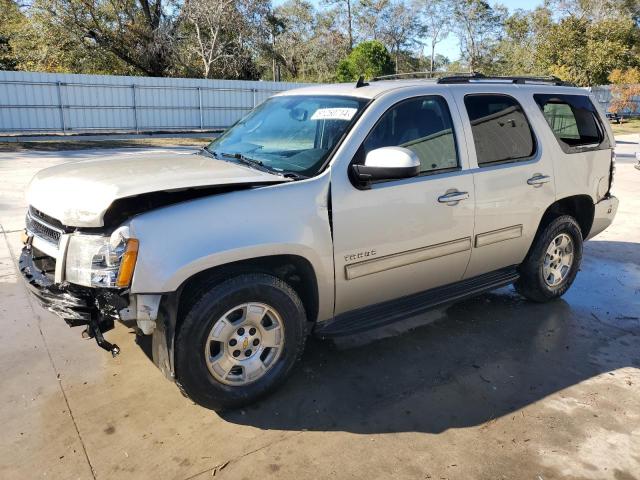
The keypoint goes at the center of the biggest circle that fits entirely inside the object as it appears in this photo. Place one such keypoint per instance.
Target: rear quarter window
(574, 121)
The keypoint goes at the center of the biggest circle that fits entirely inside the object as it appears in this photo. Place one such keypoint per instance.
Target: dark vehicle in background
(613, 117)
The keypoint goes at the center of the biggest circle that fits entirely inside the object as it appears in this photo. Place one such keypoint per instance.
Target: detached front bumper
(94, 308)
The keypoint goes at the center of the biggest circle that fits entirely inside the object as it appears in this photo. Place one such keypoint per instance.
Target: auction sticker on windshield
(334, 114)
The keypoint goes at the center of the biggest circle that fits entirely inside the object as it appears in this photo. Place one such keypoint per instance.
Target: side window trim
(428, 173)
(515, 161)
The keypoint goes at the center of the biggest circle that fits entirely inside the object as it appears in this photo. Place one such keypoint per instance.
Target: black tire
(531, 283)
(192, 374)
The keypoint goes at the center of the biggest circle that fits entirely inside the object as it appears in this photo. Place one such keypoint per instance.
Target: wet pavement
(493, 387)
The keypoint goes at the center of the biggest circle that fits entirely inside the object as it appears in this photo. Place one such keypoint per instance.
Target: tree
(276, 27)
(625, 89)
(584, 52)
(305, 44)
(138, 32)
(478, 29)
(11, 22)
(220, 33)
(329, 46)
(369, 16)
(292, 46)
(515, 53)
(400, 29)
(30, 35)
(309, 44)
(436, 23)
(346, 8)
(439, 62)
(595, 10)
(370, 59)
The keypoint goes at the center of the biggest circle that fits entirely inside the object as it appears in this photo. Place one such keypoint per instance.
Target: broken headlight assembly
(99, 261)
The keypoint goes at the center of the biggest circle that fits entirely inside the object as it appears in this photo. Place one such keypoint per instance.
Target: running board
(391, 311)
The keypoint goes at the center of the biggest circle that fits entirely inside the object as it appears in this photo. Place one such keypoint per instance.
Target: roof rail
(471, 77)
(400, 76)
(474, 77)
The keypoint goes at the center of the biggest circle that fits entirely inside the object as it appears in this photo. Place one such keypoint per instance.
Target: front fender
(178, 241)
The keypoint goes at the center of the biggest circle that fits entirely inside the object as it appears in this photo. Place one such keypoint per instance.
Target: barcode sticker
(345, 114)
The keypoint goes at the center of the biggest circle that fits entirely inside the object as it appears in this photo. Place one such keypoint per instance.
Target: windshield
(289, 134)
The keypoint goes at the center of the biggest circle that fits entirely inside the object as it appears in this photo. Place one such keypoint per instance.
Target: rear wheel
(553, 262)
(239, 341)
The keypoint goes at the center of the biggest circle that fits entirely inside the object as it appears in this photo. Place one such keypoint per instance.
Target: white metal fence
(67, 103)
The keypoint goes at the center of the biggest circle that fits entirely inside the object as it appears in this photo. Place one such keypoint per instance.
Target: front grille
(39, 215)
(42, 229)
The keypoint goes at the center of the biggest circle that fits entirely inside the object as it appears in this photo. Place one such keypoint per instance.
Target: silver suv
(329, 209)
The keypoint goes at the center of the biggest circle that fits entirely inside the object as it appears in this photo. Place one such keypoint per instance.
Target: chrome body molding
(401, 259)
(499, 235)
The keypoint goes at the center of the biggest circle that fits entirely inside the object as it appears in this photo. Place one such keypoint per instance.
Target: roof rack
(400, 76)
(475, 77)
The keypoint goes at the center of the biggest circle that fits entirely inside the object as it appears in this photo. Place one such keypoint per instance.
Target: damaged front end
(83, 276)
(97, 309)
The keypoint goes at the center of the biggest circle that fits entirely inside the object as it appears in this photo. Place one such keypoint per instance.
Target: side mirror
(387, 163)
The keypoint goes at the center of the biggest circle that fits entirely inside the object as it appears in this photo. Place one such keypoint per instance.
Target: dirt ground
(627, 126)
(78, 143)
(490, 388)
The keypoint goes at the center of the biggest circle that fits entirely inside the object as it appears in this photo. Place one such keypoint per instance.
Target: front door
(404, 236)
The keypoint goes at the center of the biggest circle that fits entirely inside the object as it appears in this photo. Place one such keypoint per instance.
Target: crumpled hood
(79, 193)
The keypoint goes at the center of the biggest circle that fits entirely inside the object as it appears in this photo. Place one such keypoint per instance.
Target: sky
(449, 47)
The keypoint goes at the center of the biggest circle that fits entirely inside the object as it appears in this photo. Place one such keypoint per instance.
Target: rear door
(512, 172)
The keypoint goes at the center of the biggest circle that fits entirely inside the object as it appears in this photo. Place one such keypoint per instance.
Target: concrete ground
(490, 388)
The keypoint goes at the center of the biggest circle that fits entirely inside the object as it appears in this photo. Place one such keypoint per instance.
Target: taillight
(612, 171)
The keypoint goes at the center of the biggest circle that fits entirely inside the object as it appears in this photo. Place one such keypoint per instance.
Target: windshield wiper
(255, 163)
(206, 149)
(293, 175)
(249, 162)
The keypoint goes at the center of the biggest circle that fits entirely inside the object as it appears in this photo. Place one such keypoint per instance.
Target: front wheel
(239, 341)
(553, 262)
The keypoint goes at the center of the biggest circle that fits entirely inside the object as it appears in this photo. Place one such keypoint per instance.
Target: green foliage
(370, 59)
(581, 41)
(515, 53)
(585, 52)
(477, 26)
(36, 42)
(138, 33)
(300, 43)
(11, 21)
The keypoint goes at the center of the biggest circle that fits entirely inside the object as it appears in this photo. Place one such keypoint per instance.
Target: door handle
(538, 179)
(452, 198)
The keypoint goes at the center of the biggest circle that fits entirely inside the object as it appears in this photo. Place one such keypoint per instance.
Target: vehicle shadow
(469, 363)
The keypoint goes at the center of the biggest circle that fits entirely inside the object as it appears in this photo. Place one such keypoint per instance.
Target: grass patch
(631, 125)
(79, 144)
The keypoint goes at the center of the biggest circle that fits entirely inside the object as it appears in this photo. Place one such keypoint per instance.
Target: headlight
(98, 261)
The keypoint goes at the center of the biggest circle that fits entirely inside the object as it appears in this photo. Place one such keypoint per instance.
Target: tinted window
(500, 129)
(422, 125)
(573, 120)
